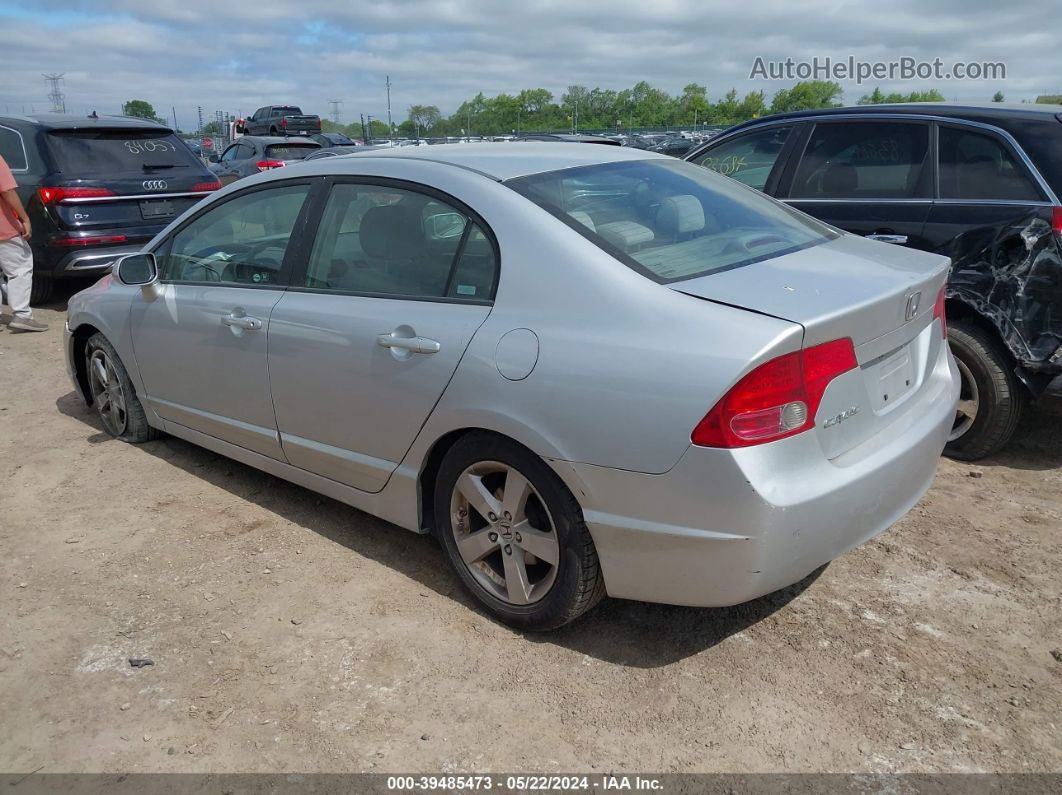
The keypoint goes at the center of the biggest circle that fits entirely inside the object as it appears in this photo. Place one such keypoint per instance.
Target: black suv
(979, 184)
(96, 188)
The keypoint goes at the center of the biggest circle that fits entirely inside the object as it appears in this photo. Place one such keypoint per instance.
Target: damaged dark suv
(979, 184)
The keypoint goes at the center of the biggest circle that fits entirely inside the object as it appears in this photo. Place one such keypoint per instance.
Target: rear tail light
(265, 165)
(206, 187)
(938, 313)
(283, 122)
(57, 195)
(90, 240)
(777, 399)
(1056, 221)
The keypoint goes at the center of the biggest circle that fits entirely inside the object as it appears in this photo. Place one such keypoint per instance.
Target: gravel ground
(292, 633)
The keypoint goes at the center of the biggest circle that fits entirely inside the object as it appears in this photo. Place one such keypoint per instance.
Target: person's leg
(16, 261)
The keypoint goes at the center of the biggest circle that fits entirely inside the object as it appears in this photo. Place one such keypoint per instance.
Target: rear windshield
(289, 151)
(671, 220)
(104, 153)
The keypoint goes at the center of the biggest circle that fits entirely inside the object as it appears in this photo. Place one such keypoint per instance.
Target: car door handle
(411, 344)
(900, 240)
(242, 321)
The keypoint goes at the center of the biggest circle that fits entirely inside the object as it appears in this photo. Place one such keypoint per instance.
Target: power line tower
(335, 103)
(56, 96)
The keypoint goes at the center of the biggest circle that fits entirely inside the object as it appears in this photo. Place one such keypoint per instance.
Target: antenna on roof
(93, 115)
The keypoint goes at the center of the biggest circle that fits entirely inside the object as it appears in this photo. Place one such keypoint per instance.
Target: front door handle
(411, 344)
(242, 321)
(900, 240)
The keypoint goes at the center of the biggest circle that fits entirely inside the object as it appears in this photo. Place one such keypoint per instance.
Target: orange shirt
(10, 226)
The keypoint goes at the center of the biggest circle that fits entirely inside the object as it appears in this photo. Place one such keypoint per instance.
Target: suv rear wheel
(991, 398)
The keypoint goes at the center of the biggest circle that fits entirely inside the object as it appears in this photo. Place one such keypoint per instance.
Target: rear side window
(748, 158)
(863, 160)
(671, 220)
(13, 149)
(105, 153)
(976, 165)
(390, 241)
(289, 151)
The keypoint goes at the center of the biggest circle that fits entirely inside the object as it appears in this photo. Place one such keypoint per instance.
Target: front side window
(239, 242)
(671, 220)
(392, 241)
(748, 158)
(976, 165)
(231, 153)
(863, 160)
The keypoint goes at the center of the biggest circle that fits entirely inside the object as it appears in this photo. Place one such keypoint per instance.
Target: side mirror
(445, 225)
(139, 270)
(214, 158)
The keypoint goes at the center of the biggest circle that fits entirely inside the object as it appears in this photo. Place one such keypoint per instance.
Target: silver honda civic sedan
(588, 370)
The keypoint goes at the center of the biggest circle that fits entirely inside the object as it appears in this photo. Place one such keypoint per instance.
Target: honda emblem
(912, 306)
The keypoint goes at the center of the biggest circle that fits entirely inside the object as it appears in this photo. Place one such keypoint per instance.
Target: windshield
(289, 151)
(112, 152)
(671, 220)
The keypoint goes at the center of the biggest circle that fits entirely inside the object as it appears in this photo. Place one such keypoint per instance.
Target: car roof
(66, 121)
(503, 160)
(959, 110)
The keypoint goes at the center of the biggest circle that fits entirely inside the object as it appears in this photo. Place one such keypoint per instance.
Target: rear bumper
(726, 526)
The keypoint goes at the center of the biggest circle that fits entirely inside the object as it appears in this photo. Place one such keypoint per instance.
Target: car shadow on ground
(1037, 443)
(618, 631)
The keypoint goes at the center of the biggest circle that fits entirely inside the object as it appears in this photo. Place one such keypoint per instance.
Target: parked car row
(979, 184)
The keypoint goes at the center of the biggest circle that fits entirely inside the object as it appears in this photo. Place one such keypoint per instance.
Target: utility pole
(56, 95)
(575, 118)
(335, 103)
(364, 132)
(369, 117)
(390, 128)
(173, 108)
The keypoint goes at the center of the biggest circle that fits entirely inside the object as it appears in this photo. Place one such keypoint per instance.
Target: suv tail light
(57, 195)
(206, 187)
(1056, 221)
(938, 312)
(265, 165)
(777, 399)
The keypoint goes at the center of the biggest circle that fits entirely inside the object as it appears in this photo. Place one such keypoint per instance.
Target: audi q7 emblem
(912, 306)
(155, 184)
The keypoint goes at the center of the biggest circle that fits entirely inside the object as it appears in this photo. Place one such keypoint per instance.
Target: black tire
(273, 131)
(135, 428)
(41, 289)
(577, 584)
(987, 374)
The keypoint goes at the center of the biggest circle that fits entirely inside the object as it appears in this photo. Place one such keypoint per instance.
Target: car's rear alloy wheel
(515, 533)
(504, 532)
(112, 393)
(969, 400)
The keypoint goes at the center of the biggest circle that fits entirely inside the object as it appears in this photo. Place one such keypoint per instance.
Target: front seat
(392, 238)
(840, 180)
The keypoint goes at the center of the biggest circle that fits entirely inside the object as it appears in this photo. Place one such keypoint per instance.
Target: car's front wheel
(991, 398)
(515, 534)
(113, 395)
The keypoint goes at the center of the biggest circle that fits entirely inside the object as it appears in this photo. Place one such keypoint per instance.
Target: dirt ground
(292, 633)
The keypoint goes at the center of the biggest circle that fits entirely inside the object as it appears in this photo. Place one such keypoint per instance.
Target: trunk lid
(880, 295)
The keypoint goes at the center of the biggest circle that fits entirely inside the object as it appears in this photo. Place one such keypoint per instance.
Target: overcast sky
(237, 55)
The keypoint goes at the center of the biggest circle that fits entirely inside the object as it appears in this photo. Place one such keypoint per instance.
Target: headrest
(840, 180)
(584, 219)
(680, 214)
(392, 231)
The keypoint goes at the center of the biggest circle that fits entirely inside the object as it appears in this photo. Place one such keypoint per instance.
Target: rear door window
(13, 149)
(106, 153)
(864, 160)
(748, 158)
(978, 165)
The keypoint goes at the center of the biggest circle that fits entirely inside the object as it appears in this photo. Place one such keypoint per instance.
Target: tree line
(582, 108)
